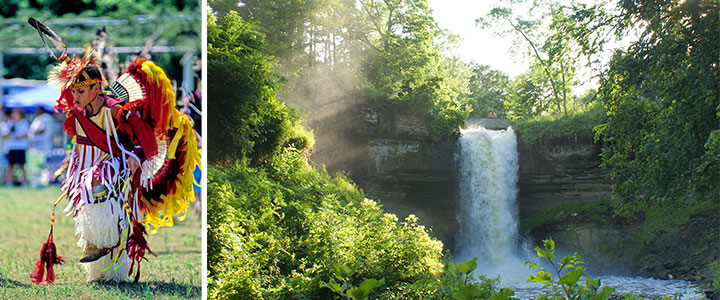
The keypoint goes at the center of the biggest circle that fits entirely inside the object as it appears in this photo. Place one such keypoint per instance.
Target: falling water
(488, 166)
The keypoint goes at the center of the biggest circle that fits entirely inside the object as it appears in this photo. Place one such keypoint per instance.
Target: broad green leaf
(544, 253)
(591, 283)
(542, 277)
(357, 294)
(572, 276)
(467, 292)
(467, 266)
(549, 244)
(604, 294)
(502, 294)
(369, 284)
(565, 260)
(332, 285)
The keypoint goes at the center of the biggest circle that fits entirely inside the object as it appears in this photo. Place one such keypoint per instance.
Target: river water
(487, 218)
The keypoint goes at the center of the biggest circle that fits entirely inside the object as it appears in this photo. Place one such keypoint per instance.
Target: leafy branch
(567, 286)
(345, 288)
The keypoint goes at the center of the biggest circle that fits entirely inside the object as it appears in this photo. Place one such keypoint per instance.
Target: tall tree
(487, 91)
(246, 119)
(404, 65)
(663, 100)
(556, 37)
(392, 48)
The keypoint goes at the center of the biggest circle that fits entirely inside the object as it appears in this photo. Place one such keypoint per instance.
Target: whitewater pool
(649, 288)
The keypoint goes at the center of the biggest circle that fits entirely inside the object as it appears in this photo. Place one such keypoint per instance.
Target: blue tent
(29, 99)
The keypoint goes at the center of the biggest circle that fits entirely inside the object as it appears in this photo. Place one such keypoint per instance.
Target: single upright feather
(44, 30)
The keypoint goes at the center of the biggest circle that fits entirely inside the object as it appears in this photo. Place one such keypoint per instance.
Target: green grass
(24, 225)
(538, 128)
(594, 211)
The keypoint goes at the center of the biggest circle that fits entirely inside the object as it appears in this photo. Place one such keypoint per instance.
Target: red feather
(136, 247)
(65, 102)
(48, 258)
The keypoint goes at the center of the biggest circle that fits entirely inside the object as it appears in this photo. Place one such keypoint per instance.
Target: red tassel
(136, 247)
(48, 258)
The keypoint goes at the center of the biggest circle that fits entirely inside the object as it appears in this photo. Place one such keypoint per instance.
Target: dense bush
(246, 119)
(275, 231)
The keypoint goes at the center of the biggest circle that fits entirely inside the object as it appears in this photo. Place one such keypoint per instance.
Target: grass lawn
(25, 223)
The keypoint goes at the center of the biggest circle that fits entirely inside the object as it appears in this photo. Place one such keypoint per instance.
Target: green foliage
(595, 211)
(404, 66)
(526, 96)
(12, 8)
(663, 103)
(488, 91)
(247, 119)
(555, 38)
(346, 289)
(443, 287)
(471, 289)
(408, 69)
(570, 284)
(129, 24)
(391, 49)
(715, 281)
(631, 296)
(279, 230)
(541, 127)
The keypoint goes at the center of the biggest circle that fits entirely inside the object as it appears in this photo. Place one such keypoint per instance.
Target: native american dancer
(130, 167)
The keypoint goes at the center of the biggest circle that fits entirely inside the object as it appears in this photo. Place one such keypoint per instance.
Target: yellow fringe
(178, 201)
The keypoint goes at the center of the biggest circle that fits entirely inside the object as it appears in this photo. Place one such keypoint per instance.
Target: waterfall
(487, 217)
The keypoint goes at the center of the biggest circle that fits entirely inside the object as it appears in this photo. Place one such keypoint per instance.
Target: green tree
(404, 65)
(526, 95)
(662, 95)
(487, 91)
(279, 229)
(387, 51)
(556, 37)
(128, 23)
(246, 119)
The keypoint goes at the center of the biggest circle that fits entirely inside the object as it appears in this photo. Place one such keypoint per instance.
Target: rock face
(392, 158)
(566, 171)
(560, 170)
(612, 245)
(394, 161)
(415, 177)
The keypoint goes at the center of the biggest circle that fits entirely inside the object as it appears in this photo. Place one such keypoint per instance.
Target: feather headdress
(65, 74)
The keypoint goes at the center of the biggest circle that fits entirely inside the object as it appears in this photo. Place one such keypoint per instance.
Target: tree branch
(542, 61)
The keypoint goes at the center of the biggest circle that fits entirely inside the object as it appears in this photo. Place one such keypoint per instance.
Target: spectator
(15, 135)
(41, 134)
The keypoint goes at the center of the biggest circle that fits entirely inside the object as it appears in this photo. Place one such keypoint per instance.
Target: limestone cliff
(560, 170)
(392, 158)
